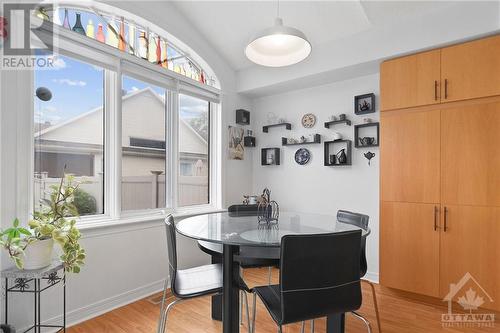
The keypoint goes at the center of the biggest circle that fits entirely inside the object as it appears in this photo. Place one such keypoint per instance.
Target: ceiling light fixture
(278, 46)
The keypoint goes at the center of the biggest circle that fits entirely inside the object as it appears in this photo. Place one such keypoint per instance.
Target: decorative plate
(302, 156)
(308, 120)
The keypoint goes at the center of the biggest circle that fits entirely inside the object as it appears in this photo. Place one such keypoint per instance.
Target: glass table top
(224, 228)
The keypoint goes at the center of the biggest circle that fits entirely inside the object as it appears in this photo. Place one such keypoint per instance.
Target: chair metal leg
(367, 323)
(375, 304)
(162, 309)
(303, 327)
(241, 308)
(312, 326)
(169, 307)
(254, 310)
(269, 276)
(248, 312)
(280, 330)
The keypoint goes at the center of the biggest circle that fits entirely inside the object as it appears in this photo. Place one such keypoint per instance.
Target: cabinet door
(470, 146)
(409, 247)
(471, 69)
(410, 81)
(471, 244)
(410, 154)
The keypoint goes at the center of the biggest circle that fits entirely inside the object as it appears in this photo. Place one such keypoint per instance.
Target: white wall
(314, 187)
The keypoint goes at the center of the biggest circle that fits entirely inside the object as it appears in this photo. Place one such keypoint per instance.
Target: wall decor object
(369, 155)
(364, 104)
(308, 120)
(366, 135)
(235, 143)
(249, 141)
(287, 126)
(270, 156)
(314, 138)
(336, 136)
(268, 210)
(338, 153)
(242, 117)
(302, 156)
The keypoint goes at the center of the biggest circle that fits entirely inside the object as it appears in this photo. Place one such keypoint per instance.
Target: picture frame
(364, 104)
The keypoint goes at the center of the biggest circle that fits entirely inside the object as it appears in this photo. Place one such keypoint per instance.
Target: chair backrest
(243, 210)
(360, 221)
(319, 275)
(172, 252)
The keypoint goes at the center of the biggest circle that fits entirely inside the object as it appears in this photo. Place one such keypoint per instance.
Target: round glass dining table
(232, 231)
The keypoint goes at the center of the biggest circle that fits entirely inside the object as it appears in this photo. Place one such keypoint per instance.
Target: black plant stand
(35, 282)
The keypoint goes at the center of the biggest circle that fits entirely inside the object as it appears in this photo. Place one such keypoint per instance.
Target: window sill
(105, 225)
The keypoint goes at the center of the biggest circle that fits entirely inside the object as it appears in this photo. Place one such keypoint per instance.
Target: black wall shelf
(265, 129)
(249, 141)
(265, 153)
(242, 117)
(347, 144)
(357, 142)
(316, 139)
(335, 122)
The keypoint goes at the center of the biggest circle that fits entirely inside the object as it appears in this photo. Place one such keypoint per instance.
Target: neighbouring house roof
(195, 144)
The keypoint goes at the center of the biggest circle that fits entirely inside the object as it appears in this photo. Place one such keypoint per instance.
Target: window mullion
(112, 143)
(173, 156)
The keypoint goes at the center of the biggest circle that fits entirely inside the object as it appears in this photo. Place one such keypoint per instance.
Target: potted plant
(54, 223)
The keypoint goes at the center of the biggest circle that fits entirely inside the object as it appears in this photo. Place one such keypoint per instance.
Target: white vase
(38, 254)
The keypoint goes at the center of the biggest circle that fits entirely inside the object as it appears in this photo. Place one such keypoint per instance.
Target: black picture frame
(359, 100)
(242, 117)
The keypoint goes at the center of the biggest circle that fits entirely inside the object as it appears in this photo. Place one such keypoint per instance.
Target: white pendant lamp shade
(278, 46)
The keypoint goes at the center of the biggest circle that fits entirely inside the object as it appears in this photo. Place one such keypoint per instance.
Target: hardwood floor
(399, 312)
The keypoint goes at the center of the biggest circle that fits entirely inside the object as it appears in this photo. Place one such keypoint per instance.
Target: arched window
(130, 115)
(131, 34)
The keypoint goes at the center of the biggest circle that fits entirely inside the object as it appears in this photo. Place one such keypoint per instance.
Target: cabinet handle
(445, 88)
(436, 210)
(435, 90)
(445, 219)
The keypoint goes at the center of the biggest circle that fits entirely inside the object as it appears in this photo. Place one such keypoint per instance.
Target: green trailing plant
(57, 220)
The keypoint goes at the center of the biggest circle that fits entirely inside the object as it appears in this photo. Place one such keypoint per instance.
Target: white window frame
(116, 64)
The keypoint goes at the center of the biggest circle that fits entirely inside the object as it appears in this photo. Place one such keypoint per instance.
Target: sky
(77, 87)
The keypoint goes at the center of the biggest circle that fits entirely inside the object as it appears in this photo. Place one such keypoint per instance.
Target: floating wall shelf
(317, 139)
(266, 153)
(265, 129)
(335, 122)
(347, 144)
(357, 128)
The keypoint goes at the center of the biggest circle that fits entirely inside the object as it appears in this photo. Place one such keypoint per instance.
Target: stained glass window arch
(132, 34)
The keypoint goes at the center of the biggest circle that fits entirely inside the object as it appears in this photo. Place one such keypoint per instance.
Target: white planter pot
(38, 254)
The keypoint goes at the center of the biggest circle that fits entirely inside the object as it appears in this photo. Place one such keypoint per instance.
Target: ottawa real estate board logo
(469, 294)
(25, 35)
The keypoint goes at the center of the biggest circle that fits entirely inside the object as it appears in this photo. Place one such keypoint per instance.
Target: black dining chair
(361, 221)
(248, 257)
(187, 283)
(319, 276)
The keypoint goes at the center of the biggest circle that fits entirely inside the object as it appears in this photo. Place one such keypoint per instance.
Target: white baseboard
(87, 312)
(372, 277)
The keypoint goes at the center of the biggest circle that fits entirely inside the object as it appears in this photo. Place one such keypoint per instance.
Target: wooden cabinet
(471, 70)
(410, 154)
(470, 154)
(410, 81)
(409, 243)
(470, 244)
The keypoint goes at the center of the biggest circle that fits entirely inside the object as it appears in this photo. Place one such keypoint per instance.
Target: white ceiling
(229, 25)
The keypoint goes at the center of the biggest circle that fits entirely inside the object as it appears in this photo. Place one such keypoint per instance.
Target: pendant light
(278, 46)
